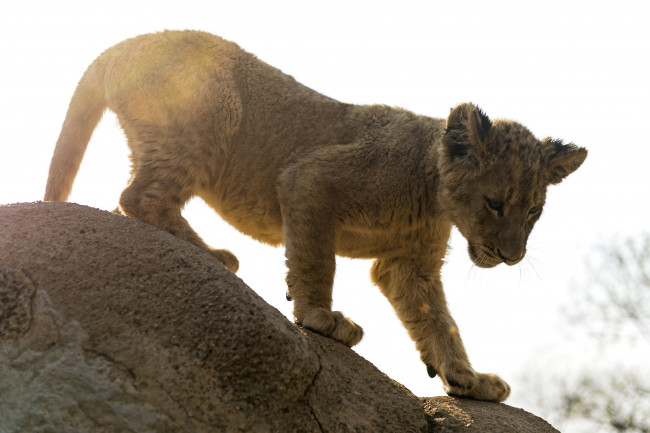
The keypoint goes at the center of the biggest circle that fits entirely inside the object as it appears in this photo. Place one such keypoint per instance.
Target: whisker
(531, 261)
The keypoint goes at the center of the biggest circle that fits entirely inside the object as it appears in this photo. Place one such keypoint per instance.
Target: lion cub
(285, 164)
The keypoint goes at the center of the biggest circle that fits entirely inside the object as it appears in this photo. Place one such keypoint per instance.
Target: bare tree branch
(613, 307)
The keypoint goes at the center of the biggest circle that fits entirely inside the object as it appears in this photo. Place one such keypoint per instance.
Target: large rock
(110, 325)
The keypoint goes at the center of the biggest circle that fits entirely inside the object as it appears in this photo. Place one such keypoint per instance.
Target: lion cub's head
(493, 178)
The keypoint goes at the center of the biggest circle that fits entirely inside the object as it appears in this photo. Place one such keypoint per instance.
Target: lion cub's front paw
(228, 259)
(459, 377)
(332, 324)
(479, 386)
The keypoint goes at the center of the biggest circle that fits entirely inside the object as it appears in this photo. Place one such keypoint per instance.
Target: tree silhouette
(611, 312)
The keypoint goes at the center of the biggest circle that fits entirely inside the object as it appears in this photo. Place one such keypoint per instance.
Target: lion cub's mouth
(483, 256)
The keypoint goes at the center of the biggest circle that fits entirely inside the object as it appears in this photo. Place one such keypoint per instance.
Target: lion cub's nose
(507, 257)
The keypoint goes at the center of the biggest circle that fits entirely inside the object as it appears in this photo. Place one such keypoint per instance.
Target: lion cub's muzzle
(486, 257)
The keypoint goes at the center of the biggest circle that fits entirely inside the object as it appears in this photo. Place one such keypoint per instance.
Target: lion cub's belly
(251, 209)
(259, 216)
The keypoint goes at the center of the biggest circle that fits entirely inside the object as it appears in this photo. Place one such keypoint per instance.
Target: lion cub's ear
(467, 128)
(561, 159)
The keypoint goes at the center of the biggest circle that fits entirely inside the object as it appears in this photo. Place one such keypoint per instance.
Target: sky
(570, 69)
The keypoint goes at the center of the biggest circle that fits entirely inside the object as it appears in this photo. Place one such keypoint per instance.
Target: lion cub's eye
(534, 210)
(494, 204)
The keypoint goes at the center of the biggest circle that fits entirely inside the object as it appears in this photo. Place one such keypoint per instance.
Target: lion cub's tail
(84, 113)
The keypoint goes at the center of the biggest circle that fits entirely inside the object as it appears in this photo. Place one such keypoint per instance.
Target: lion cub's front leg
(311, 263)
(413, 287)
(309, 231)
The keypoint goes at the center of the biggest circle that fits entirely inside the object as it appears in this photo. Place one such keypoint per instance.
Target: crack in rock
(311, 386)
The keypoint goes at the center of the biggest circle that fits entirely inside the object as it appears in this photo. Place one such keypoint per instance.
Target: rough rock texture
(110, 325)
(449, 414)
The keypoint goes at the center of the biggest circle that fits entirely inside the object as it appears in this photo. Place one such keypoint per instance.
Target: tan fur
(285, 164)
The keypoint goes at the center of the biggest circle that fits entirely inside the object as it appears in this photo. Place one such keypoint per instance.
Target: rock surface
(110, 325)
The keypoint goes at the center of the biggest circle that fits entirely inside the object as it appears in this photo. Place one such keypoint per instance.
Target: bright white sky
(576, 70)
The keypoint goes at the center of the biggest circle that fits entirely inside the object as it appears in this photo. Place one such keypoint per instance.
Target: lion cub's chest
(359, 241)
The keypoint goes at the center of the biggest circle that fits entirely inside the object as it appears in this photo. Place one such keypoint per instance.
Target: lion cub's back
(164, 78)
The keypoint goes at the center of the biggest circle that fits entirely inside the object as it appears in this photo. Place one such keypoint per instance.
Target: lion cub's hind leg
(156, 194)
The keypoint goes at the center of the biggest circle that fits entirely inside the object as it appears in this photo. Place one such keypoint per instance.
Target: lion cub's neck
(408, 145)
